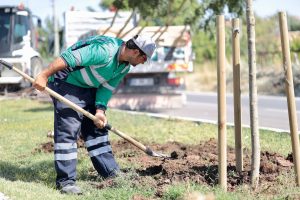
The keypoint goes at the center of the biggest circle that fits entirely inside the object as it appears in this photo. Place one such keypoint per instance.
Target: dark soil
(196, 163)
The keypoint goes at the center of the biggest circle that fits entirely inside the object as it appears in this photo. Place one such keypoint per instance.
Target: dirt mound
(197, 163)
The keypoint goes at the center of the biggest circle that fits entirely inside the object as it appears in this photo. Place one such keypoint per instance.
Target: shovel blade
(150, 152)
(160, 155)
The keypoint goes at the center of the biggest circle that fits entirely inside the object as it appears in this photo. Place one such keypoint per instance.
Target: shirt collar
(119, 52)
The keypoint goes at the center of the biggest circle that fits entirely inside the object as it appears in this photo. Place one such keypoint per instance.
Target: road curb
(196, 120)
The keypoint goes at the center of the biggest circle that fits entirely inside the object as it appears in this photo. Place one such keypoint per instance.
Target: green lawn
(25, 174)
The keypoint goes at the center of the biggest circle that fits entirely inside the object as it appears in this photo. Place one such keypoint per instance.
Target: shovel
(72, 105)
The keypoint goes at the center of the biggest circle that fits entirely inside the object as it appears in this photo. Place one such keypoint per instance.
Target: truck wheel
(36, 66)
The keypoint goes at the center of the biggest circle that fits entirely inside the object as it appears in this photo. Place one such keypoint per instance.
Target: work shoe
(71, 189)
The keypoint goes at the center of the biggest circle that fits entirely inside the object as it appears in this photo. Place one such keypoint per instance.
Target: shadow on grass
(48, 108)
(38, 172)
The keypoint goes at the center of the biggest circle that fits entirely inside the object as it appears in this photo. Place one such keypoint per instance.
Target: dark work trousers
(67, 126)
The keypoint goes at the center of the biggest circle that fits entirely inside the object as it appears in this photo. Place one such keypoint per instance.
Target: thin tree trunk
(171, 18)
(112, 22)
(253, 96)
(128, 31)
(126, 23)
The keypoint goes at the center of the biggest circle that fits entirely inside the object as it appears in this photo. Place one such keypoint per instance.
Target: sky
(43, 8)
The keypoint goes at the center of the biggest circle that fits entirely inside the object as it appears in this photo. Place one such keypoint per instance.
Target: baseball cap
(146, 44)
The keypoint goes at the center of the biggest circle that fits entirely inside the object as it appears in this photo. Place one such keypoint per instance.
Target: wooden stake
(222, 145)
(237, 93)
(289, 88)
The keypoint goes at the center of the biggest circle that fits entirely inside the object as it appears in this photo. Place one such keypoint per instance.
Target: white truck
(158, 83)
(18, 44)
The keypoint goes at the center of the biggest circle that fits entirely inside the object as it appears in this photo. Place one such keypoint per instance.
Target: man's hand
(40, 82)
(42, 79)
(101, 120)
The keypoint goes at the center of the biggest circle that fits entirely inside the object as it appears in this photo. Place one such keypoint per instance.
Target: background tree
(293, 23)
(200, 15)
(46, 44)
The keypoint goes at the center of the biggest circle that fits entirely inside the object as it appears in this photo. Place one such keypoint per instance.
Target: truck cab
(18, 44)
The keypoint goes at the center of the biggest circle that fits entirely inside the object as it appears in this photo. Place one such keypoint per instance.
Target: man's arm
(57, 65)
(42, 79)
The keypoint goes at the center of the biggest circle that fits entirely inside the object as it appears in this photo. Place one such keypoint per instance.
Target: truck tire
(36, 66)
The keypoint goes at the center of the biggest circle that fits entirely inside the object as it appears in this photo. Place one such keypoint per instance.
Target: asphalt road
(272, 110)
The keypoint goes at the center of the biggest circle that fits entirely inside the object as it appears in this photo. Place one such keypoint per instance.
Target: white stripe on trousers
(69, 156)
(100, 150)
(65, 146)
(95, 141)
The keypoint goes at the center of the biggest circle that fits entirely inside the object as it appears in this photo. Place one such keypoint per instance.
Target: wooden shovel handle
(78, 109)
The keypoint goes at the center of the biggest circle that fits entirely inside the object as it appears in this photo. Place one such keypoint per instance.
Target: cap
(146, 44)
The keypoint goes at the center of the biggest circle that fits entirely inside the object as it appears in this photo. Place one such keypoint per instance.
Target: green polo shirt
(98, 56)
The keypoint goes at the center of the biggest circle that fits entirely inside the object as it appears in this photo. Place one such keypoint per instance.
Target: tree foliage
(294, 23)
(193, 12)
(295, 45)
(47, 34)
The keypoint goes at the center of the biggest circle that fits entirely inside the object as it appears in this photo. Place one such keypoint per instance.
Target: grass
(26, 175)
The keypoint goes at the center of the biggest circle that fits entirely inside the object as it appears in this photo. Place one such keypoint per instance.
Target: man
(86, 74)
